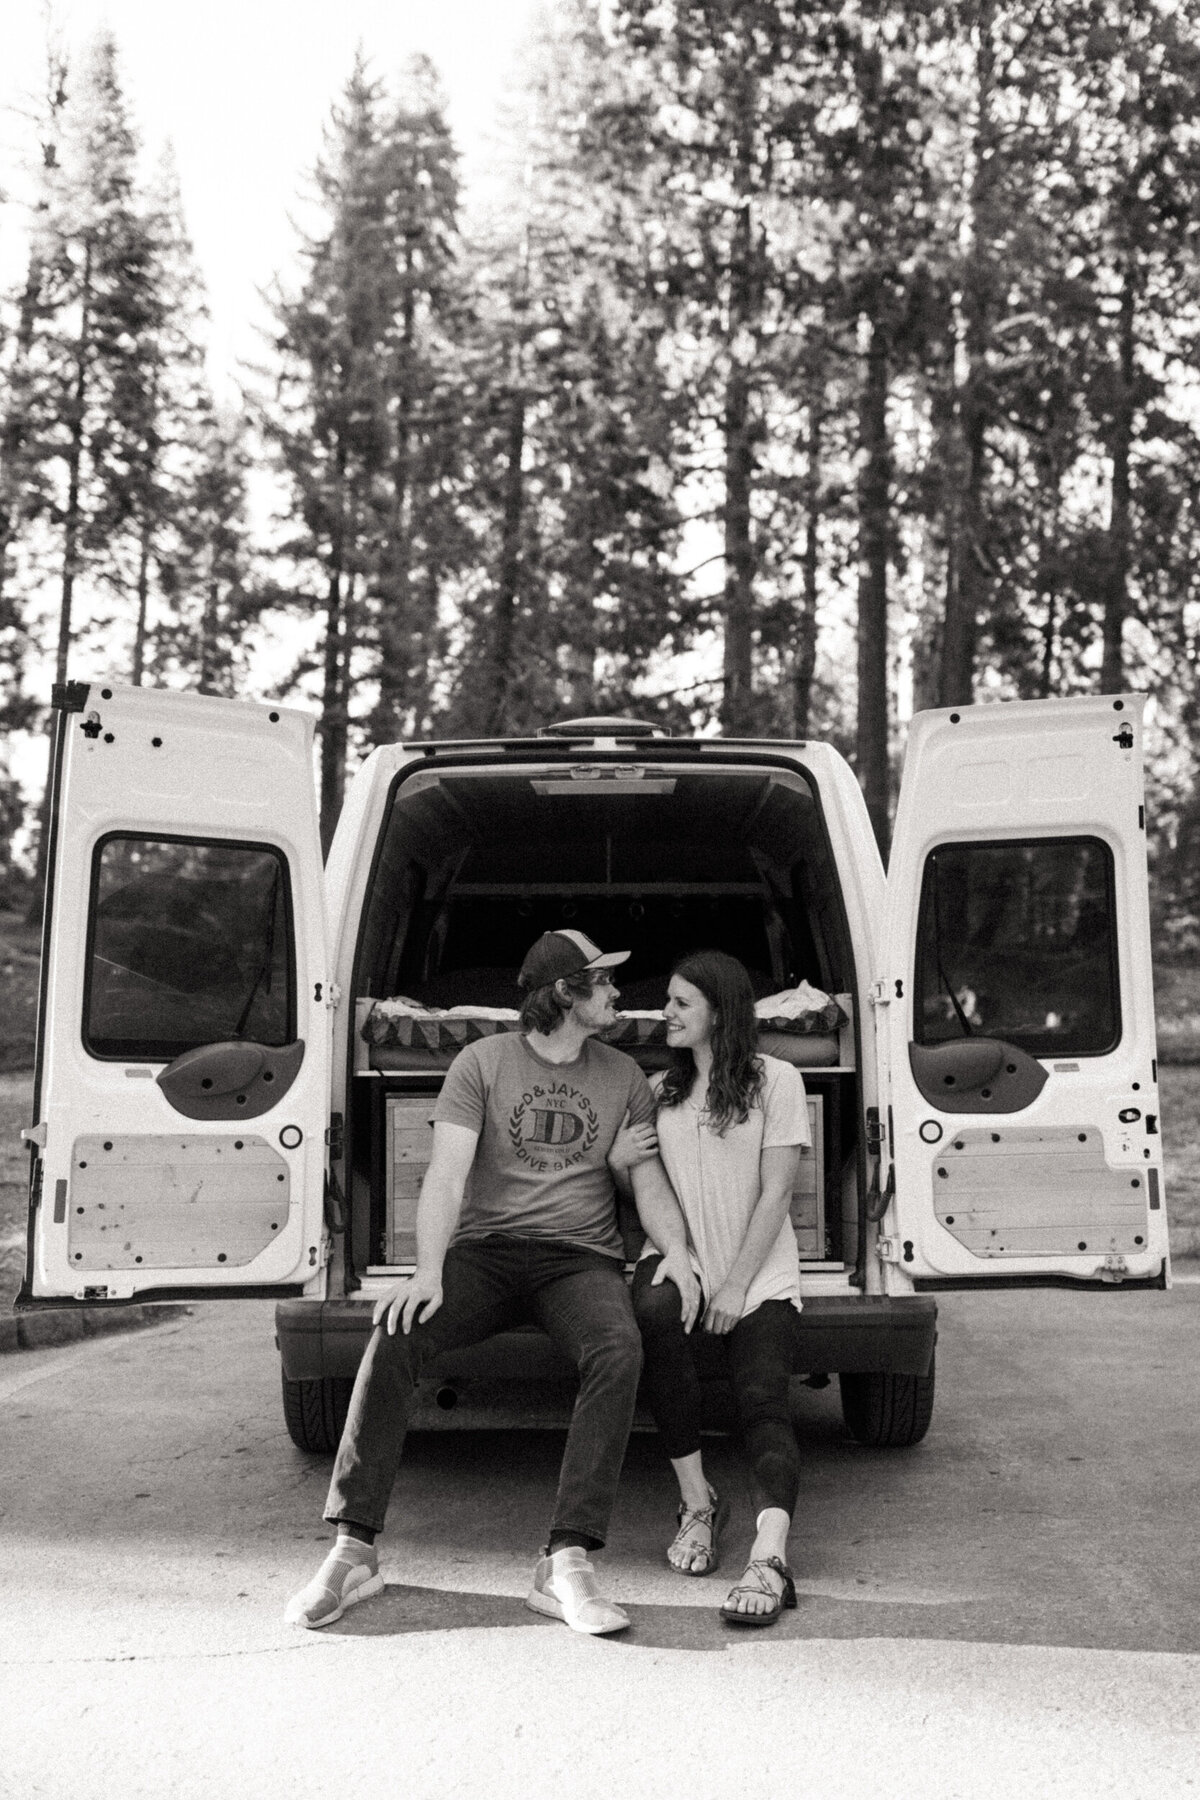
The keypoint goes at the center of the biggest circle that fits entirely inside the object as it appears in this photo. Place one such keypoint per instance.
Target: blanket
(800, 1011)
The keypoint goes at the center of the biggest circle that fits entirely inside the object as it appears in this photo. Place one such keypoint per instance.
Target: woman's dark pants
(759, 1351)
(580, 1300)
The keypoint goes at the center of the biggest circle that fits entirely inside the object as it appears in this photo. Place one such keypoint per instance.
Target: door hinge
(1113, 1268)
(335, 1138)
(36, 1134)
(874, 1131)
(69, 696)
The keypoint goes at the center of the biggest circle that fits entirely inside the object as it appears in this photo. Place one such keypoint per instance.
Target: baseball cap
(559, 953)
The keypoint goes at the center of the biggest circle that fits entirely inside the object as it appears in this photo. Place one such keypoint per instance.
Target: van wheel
(315, 1412)
(889, 1412)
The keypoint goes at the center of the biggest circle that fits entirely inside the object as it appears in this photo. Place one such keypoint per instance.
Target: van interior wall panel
(1019, 1191)
(473, 865)
(174, 1202)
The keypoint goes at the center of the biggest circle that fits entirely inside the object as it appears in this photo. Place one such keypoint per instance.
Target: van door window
(1017, 940)
(189, 943)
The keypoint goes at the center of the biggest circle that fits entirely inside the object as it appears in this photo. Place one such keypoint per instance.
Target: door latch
(878, 994)
(874, 1131)
(887, 1250)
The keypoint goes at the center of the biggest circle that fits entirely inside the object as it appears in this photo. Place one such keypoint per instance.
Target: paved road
(1011, 1609)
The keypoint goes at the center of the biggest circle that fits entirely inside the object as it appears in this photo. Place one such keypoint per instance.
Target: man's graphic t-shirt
(545, 1130)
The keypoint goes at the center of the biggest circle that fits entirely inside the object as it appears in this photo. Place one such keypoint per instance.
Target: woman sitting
(731, 1128)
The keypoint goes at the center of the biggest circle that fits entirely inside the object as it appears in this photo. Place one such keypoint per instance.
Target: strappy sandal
(712, 1519)
(760, 1585)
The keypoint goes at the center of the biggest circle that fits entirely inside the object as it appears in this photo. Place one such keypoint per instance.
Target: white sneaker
(564, 1587)
(343, 1579)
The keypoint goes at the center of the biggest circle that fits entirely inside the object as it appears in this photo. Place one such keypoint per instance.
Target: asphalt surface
(1013, 1608)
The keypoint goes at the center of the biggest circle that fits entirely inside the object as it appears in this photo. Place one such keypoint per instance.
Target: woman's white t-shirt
(718, 1181)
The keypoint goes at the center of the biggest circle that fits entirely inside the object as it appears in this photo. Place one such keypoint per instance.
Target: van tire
(888, 1412)
(315, 1412)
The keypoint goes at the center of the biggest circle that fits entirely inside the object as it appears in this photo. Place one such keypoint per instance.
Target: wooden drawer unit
(408, 1141)
(808, 1197)
(407, 1144)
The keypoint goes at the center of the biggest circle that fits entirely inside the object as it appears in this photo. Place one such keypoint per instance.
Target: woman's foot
(693, 1549)
(764, 1592)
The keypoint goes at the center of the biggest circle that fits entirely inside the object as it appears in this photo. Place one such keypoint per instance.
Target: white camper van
(237, 1053)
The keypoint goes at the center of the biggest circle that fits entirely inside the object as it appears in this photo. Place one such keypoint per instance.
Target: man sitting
(516, 1221)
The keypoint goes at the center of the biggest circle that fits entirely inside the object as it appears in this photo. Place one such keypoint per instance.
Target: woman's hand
(412, 1303)
(676, 1266)
(725, 1308)
(633, 1144)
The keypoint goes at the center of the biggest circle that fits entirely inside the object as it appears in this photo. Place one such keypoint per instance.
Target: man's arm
(417, 1299)
(664, 1225)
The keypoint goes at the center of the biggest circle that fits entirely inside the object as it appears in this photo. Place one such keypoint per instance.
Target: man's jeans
(490, 1284)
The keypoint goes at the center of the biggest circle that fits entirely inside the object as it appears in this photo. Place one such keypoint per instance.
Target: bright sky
(241, 88)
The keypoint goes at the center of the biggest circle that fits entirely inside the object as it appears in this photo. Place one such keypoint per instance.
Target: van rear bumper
(838, 1335)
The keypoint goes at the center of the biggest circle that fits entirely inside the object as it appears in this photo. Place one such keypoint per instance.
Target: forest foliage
(803, 366)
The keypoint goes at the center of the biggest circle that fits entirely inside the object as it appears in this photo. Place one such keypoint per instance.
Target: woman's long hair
(737, 1072)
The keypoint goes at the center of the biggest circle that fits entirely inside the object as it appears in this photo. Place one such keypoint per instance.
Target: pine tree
(420, 537)
(363, 415)
(326, 417)
(569, 424)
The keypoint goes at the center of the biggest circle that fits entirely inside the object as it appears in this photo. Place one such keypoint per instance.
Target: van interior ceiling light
(604, 778)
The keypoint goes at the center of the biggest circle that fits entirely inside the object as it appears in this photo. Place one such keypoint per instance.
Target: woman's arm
(633, 1144)
(663, 1222)
(777, 1176)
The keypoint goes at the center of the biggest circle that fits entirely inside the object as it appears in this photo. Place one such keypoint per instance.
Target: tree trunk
(333, 696)
(333, 728)
(143, 604)
(396, 625)
(736, 699)
(1117, 558)
(12, 439)
(968, 590)
(804, 655)
(508, 585)
(874, 487)
(737, 707)
(70, 564)
(209, 625)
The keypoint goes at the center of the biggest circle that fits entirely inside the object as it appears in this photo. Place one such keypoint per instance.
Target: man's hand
(676, 1266)
(412, 1303)
(633, 1144)
(725, 1308)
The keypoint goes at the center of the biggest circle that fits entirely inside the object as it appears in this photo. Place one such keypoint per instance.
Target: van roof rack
(608, 726)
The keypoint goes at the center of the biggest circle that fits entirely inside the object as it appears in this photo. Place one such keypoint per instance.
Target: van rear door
(1016, 1014)
(181, 1093)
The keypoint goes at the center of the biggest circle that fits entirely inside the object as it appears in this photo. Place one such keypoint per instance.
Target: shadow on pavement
(400, 1611)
